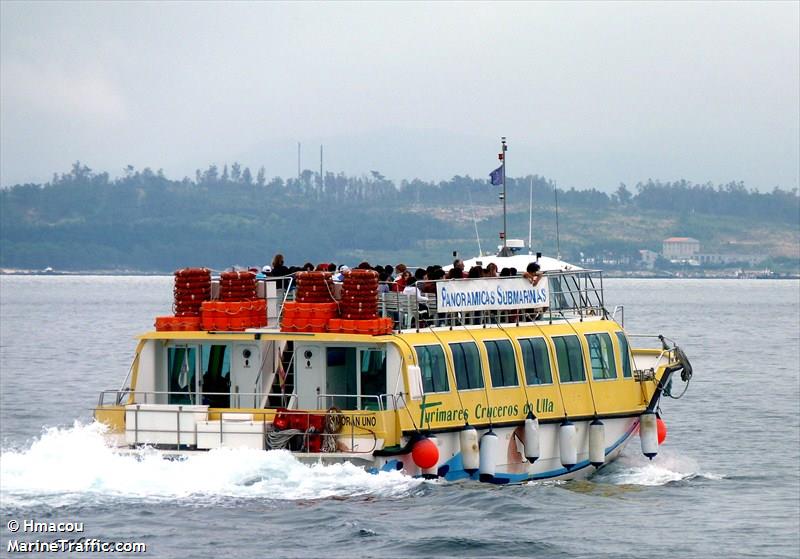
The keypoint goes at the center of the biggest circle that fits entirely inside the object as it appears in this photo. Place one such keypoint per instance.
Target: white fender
(597, 443)
(567, 439)
(648, 434)
(488, 455)
(531, 440)
(470, 454)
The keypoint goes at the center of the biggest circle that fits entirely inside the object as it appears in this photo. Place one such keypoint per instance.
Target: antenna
(558, 238)
(321, 176)
(298, 160)
(474, 221)
(530, 219)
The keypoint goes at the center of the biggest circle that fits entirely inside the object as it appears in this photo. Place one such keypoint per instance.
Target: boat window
(570, 359)
(502, 365)
(625, 352)
(181, 364)
(373, 377)
(467, 365)
(536, 359)
(601, 355)
(216, 363)
(433, 367)
(342, 377)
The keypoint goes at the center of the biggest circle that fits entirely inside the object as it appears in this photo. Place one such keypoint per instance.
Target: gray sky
(588, 94)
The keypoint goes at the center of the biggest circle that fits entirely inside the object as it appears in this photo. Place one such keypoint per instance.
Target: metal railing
(382, 401)
(359, 423)
(128, 396)
(573, 294)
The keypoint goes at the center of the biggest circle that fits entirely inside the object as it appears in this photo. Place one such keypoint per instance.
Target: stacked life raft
(315, 308)
(238, 307)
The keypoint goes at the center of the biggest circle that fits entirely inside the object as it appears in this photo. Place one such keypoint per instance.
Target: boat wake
(664, 469)
(70, 465)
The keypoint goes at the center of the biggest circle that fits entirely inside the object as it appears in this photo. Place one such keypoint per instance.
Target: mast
(558, 238)
(530, 219)
(504, 252)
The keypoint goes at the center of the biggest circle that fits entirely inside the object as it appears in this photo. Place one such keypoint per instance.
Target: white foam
(635, 469)
(69, 465)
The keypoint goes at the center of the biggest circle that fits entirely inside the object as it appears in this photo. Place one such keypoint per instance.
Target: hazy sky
(588, 94)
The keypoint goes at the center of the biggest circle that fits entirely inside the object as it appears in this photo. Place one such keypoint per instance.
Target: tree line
(142, 219)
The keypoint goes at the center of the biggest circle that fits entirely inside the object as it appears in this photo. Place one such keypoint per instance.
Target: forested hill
(84, 220)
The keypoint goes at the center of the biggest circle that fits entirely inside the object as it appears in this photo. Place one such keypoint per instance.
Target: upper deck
(559, 295)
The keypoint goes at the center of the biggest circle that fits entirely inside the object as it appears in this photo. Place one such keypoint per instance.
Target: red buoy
(425, 453)
(662, 431)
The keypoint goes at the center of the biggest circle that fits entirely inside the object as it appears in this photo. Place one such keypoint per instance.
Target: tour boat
(494, 379)
(491, 379)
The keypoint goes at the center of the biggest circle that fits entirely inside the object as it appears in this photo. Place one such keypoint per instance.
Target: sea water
(726, 483)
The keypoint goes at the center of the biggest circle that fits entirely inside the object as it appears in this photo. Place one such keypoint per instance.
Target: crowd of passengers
(399, 278)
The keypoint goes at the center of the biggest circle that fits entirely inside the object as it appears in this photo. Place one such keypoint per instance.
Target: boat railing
(350, 431)
(667, 353)
(367, 402)
(621, 310)
(363, 402)
(127, 396)
(575, 294)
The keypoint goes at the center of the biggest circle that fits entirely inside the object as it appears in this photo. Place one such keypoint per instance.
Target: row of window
(535, 360)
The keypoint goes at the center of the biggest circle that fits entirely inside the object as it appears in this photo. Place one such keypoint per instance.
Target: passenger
(505, 272)
(532, 273)
(436, 275)
(308, 267)
(339, 276)
(389, 272)
(332, 267)
(383, 282)
(264, 273)
(322, 267)
(364, 266)
(412, 290)
(491, 270)
(279, 270)
(402, 281)
(475, 272)
(455, 273)
(422, 283)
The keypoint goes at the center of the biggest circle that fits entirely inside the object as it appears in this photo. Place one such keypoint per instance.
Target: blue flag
(496, 176)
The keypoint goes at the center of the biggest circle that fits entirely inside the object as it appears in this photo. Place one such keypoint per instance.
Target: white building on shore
(680, 248)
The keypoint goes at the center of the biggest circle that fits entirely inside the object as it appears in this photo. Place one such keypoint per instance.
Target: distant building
(647, 259)
(750, 259)
(680, 248)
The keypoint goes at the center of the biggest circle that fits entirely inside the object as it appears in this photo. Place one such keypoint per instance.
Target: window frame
(497, 342)
(422, 369)
(612, 362)
(558, 361)
(549, 358)
(455, 368)
(622, 338)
